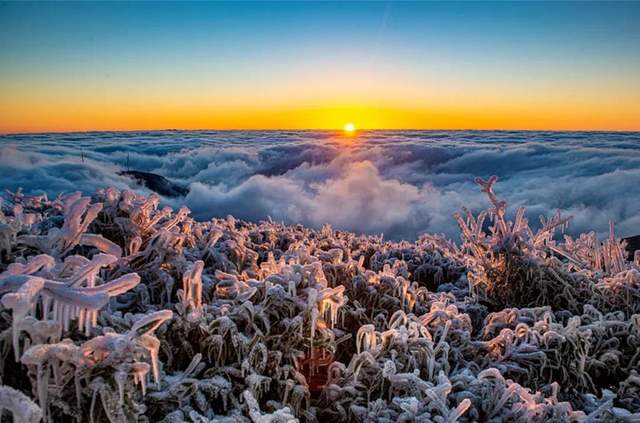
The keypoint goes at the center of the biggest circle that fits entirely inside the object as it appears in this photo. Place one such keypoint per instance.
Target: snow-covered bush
(115, 310)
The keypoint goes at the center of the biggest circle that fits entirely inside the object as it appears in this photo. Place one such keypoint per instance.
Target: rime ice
(116, 310)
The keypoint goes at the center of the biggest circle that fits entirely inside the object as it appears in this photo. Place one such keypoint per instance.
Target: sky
(277, 65)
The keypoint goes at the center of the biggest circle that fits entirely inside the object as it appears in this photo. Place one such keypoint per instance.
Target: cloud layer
(399, 183)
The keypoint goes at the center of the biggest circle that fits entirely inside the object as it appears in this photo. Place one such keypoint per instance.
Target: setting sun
(349, 127)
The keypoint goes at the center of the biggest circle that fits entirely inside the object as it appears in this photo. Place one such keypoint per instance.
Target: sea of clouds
(400, 183)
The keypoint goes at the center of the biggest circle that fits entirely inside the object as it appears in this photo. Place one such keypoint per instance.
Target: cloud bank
(400, 183)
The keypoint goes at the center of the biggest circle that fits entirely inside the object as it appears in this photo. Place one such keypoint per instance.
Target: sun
(349, 127)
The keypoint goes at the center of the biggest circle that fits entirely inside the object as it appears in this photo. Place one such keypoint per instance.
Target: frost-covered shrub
(118, 310)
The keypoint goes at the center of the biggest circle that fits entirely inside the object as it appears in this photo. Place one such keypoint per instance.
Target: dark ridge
(633, 245)
(157, 183)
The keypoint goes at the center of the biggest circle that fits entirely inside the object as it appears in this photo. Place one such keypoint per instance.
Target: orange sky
(87, 117)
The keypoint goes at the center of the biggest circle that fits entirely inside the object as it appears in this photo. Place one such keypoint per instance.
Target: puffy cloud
(356, 198)
(395, 182)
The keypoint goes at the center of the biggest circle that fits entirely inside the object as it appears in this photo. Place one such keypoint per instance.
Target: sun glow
(349, 128)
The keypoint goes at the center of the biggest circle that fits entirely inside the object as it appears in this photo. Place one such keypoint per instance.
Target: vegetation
(116, 311)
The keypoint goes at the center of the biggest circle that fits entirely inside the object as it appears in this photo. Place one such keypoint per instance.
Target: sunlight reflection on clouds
(395, 182)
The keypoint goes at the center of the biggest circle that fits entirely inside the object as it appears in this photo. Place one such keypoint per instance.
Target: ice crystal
(117, 310)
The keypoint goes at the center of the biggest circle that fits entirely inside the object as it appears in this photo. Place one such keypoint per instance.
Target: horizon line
(314, 130)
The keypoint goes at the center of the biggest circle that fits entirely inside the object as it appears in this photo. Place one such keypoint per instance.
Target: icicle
(192, 286)
(140, 371)
(314, 321)
(120, 377)
(20, 302)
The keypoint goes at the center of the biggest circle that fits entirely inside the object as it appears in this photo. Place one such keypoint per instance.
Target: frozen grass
(118, 311)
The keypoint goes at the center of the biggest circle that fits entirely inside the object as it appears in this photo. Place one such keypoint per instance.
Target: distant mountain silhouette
(633, 244)
(157, 183)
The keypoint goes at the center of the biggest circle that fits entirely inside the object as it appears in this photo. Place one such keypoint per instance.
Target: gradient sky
(104, 66)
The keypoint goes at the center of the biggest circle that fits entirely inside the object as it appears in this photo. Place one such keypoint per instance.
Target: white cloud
(398, 183)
